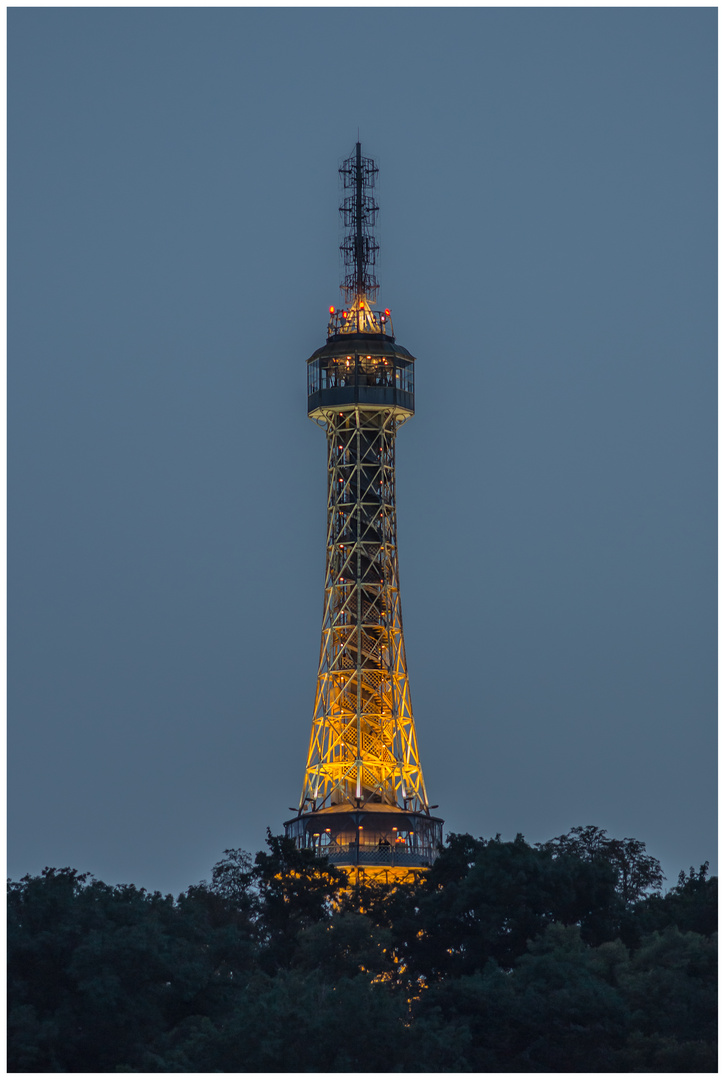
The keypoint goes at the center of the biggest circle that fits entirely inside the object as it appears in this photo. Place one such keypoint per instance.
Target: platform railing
(360, 321)
(374, 855)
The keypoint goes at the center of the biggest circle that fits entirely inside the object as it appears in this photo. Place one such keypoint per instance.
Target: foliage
(637, 873)
(95, 971)
(296, 889)
(691, 905)
(485, 899)
(507, 957)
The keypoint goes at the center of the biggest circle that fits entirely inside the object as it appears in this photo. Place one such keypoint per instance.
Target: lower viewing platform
(374, 836)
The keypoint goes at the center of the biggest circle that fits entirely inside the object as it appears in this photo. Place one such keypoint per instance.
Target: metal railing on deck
(360, 320)
(382, 855)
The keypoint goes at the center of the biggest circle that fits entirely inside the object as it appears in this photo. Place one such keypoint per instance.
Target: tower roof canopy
(349, 344)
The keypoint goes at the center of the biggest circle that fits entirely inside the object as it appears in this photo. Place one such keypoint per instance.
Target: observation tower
(363, 801)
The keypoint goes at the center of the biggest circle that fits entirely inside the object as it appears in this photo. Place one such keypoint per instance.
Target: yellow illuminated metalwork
(363, 744)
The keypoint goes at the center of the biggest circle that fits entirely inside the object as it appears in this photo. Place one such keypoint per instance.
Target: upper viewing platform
(361, 364)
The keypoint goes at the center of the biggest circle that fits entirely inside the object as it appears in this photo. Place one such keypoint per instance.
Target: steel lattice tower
(363, 800)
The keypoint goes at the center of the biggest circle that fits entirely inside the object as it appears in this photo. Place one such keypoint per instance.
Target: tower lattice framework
(363, 743)
(363, 801)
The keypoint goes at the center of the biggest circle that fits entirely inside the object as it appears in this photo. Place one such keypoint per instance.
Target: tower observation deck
(363, 801)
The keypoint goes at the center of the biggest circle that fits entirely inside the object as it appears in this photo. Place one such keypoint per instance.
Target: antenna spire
(359, 213)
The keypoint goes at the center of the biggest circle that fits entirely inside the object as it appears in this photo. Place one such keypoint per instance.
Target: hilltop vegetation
(508, 957)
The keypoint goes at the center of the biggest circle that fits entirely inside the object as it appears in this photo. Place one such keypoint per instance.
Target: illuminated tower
(363, 801)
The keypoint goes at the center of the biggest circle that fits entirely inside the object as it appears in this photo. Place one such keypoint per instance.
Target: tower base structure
(374, 842)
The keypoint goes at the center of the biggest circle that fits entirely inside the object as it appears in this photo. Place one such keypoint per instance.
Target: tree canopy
(504, 957)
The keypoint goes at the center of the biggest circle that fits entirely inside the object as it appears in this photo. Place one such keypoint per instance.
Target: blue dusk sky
(548, 251)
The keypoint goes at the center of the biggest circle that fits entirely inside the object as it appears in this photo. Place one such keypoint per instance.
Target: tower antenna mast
(359, 213)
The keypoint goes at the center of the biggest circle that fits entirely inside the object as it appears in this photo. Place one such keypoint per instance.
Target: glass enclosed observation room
(328, 372)
(369, 837)
(343, 373)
